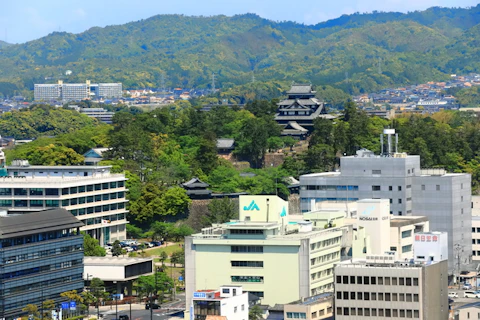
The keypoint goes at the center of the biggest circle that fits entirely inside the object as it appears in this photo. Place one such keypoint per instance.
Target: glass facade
(37, 267)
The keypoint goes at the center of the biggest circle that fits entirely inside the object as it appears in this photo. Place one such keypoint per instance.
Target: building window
(423, 187)
(390, 188)
(399, 201)
(375, 188)
(247, 264)
(250, 249)
(393, 249)
(406, 234)
(401, 281)
(415, 281)
(235, 309)
(438, 187)
(51, 192)
(380, 279)
(259, 294)
(345, 295)
(345, 279)
(376, 171)
(394, 281)
(399, 188)
(20, 192)
(36, 192)
(258, 279)
(298, 315)
(407, 248)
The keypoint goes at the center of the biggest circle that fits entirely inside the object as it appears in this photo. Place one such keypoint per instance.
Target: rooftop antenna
(162, 85)
(389, 133)
(213, 82)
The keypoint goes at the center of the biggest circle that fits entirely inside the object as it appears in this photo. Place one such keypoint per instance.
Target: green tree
(91, 247)
(32, 309)
(206, 156)
(117, 249)
(255, 313)
(151, 285)
(319, 158)
(134, 232)
(163, 257)
(47, 307)
(177, 257)
(220, 211)
(174, 201)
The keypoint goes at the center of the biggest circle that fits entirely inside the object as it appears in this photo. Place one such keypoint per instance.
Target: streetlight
(116, 300)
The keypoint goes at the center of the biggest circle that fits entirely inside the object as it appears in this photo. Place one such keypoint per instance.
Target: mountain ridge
(347, 52)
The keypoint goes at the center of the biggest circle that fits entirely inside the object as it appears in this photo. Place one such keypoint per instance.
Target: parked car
(467, 286)
(471, 294)
(156, 243)
(128, 249)
(122, 317)
(149, 245)
(134, 247)
(154, 306)
(453, 295)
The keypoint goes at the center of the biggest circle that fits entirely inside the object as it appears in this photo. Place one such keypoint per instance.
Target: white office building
(229, 302)
(92, 194)
(381, 288)
(444, 198)
(76, 91)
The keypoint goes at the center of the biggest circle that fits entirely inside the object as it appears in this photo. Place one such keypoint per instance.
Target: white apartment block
(229, 302)
(380, 288)
(92, 194)
(76, 91)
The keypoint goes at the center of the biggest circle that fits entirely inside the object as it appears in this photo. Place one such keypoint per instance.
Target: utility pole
(458, 248)
(213, 82)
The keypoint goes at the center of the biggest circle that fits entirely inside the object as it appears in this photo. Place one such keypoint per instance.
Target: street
(138, 311)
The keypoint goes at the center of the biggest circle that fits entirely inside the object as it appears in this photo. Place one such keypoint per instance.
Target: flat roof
(59, 168)
(113, 261)
(17, 225)
(401, 221)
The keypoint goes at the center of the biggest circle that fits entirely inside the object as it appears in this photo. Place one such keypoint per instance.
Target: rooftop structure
(315, 307)
(228, 301)
(41, 255)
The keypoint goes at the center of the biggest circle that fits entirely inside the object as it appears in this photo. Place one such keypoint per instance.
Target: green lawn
(156, 251)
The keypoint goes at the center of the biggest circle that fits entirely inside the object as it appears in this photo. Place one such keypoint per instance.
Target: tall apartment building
(271, 256)
(379, 287)
(92, 194)
(444, 198)
(76, 91)
(41, 256)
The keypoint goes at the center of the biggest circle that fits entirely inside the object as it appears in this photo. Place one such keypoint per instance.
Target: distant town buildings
(76, 91)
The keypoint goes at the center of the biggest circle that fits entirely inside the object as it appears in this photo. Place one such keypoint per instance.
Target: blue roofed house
(94, 156)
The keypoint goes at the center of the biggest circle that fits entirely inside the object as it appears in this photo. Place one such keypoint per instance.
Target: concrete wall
(435, 291)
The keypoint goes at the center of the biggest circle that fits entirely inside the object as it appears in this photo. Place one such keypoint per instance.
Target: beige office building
(312, 308)
(275, 258)
(381, 288)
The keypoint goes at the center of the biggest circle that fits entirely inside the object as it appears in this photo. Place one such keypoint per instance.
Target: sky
(25, 20)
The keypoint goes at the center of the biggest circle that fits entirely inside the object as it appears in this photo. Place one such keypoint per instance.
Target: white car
(453, 295)
(128, 249)
(149, 244)
(471, 294)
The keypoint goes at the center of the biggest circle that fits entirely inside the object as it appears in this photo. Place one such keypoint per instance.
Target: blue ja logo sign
(252, 206)
(283, 213)
(368, 211)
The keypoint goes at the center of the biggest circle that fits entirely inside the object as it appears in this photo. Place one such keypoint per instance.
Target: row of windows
(331, 188)
(373, 312)
(41, 254)
(98, 220)
(96, 198)
(248, 264)
(296, 315)
(251, 249)
(43, 283)
(308, 200)
(475, 230)
(31, 191)
(93, 187)
(33, 203)
(321, 274)
(406, 234)
(97, 209)
(243, 231)
(325, 243)
(39, 237)
(247, 279)
(325, 258)
(374, 296)
(394, 281)
(259, 294)
(437, 187)
(51, 267)
(390, 188)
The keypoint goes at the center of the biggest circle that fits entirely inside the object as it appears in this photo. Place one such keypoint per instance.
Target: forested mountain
(4, 44)
(406, 48)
